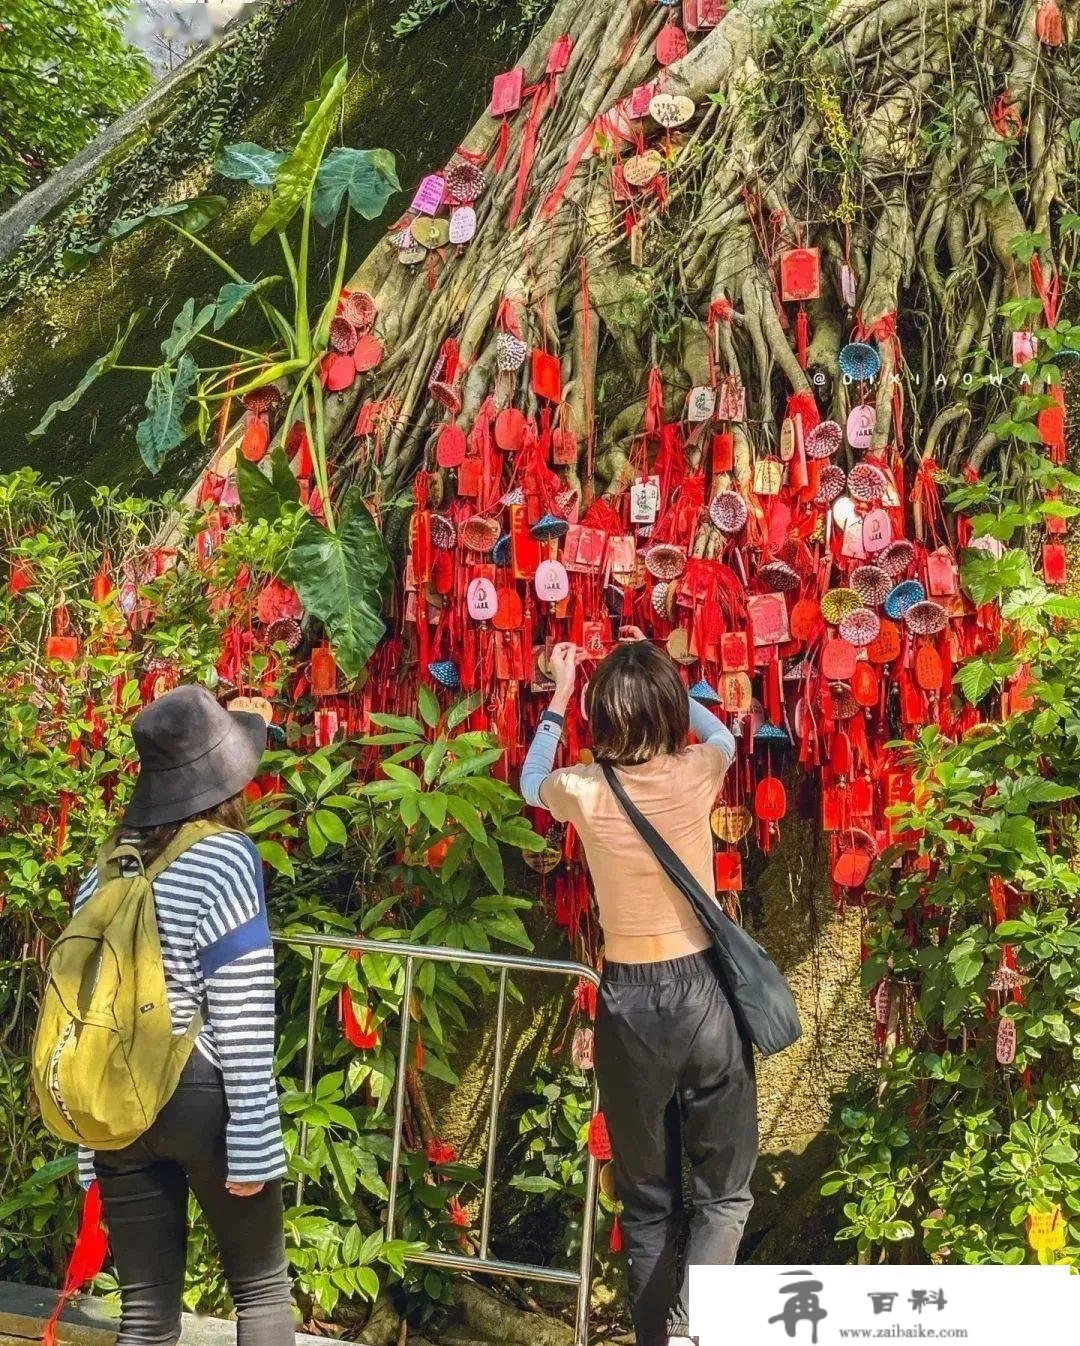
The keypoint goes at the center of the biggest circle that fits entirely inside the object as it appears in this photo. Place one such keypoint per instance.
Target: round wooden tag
(509, 429)
(671, 110)
(253, 705)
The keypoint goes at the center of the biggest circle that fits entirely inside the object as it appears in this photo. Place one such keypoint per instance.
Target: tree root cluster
(880, 138)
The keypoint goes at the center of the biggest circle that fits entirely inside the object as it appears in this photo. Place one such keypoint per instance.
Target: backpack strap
(187, 836)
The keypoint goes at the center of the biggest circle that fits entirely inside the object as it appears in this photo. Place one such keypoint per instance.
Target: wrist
(560, 700)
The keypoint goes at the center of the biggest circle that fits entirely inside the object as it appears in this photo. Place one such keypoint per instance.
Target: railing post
(399, 1096)
(309, 1057)
(493, 1124)
(588, 1231)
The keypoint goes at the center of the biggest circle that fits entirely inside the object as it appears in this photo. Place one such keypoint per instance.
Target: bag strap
(188, 835)
(669, 862)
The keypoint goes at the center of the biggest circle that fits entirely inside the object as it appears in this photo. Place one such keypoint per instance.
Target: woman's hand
(244, 1188)
(563, 666)
(629, 634)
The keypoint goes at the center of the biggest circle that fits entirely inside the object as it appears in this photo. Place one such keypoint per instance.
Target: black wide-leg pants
(675, 1075)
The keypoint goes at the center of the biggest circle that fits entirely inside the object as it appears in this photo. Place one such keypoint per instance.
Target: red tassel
(1049, 28)
(503, 148)
(802, 336)
(87, 1259)
(364, 1037)
(615, 1243)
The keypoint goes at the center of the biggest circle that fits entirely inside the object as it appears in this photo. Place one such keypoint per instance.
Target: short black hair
(637, 706)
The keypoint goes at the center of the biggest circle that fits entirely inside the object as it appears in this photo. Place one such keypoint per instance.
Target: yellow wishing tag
(1045, 1229)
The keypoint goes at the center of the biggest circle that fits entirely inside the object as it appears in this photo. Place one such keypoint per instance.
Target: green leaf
(460, 711)
(341, 578)
(277, 858)
(491, 863)
(248, 162)
(429, 705)
(102, 365)
(467, 815)
(193, 215)
(186, 327)
(161, 430)
(1061, 605)
(367, 177)
(976, 678)
(331, 826)
(367, 1282)
(263, 497)
(233, 295)
(296, 176)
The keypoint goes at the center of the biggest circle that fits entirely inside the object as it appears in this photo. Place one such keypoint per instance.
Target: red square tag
(547, 376)
(723, 451)
(1055, 564)
(506, 91)
(734, 652)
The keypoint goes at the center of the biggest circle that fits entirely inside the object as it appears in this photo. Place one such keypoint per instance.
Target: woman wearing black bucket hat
(219, 1136)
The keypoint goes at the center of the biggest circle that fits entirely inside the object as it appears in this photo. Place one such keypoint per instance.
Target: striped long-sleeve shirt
(216, 951)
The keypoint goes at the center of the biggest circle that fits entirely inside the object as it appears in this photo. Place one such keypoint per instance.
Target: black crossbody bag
(759, 996)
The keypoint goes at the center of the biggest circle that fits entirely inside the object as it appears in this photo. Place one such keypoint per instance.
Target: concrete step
(88, 1321)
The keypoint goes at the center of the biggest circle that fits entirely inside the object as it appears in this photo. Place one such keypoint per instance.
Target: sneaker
(682, 1341)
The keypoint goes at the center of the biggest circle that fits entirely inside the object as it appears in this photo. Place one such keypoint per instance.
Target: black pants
(144, 1191)
(675, 1075)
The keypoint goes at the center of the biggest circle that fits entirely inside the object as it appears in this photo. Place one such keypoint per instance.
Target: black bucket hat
(193, 754)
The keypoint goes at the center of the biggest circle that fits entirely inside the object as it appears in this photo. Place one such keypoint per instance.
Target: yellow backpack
(105, 1060)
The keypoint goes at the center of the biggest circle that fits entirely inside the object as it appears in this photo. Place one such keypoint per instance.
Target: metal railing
(504, 964)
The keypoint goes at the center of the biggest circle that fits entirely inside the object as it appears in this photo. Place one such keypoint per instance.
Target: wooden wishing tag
(481, 599)
(852, 545)
(768, 476)
(1055, 563)
(723, 451)
(735, 652)
(468, 478)
(551, 582)
(622, 555)
(637, 245)
(929, 670)
(546, 376)
(1025, 347)
(594, 639)
(524, 548)
(670, 44)
(637, 105)
(429, 195)
(645, 500)
(253, 705)
(727, 872)
(509, 613)
(450, 447)
(671, 110)
(583, 548)
(861, 424)
(787, 440)
(506, 92)
(678, 646)
(558, 57)
(640, 169)
(942, 575)
(462, 227)
(431, 233)
(564, 448)
(510, 427)
(698, 14)
(735, 691)
(769, 618)
(800, 274)
(700, 404)
(877, 531)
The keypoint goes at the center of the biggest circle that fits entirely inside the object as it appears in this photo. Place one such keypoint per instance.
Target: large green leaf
(341, 579)
(233, 295)
(296, 175)
(186, 327)
(262, 496)
(101, 365)
(193, 215)
(252, 163)
(368, 177)
(161, 429)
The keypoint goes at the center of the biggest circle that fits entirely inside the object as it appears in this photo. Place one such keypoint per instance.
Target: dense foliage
(963, 1144)
(66, 70)
(402, 831)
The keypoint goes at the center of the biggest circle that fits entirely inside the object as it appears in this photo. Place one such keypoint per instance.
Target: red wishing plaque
(769, 615)
(800, 274)
(506, 92)
(546, 376)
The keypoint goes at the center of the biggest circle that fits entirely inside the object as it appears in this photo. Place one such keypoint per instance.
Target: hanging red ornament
(770, 799)
(1049, 27)
(599, 1140)
(800, 275)
(323, 671)
(670, 44)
